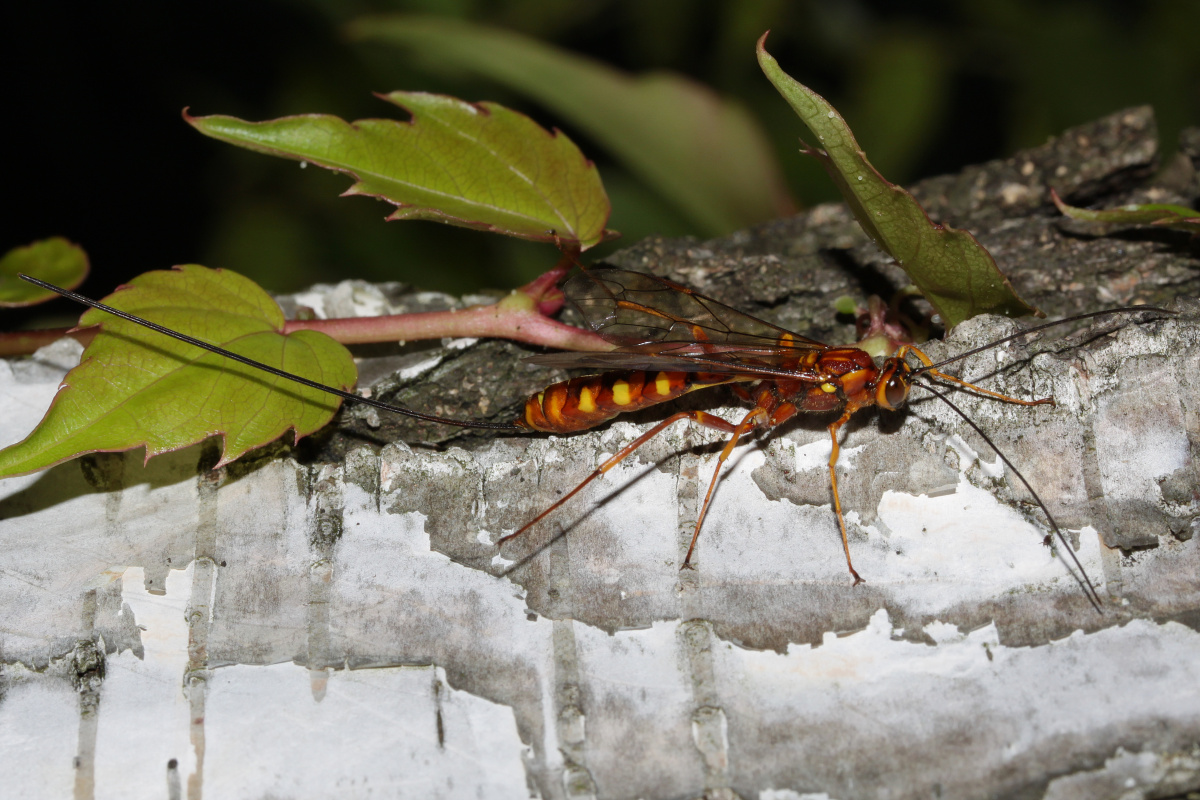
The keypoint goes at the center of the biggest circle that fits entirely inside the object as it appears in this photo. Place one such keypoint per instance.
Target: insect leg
(699, 417)
(837, 503)
(905, 349)
(749, 421)
(741, 392)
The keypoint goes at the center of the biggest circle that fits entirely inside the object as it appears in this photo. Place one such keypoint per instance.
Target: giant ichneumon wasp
(669, 341)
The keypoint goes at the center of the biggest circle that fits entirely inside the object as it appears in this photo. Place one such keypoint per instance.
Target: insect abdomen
(582, 403)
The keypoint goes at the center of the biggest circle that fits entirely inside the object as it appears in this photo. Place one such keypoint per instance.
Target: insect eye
(896, 391)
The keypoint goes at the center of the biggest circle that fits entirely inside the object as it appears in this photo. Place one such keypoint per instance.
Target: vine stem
(504, 320)
(520, 317)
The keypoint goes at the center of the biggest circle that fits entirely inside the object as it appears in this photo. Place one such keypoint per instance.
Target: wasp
(669, 341)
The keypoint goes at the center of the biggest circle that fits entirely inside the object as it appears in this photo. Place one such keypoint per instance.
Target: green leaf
(476, 165)
(952, 270)
(53, 260)
(1165, 215)
(845, 305)
(135, 388)
(702, 152)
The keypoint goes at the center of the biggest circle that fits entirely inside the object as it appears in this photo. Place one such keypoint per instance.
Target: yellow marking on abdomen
(587, 401)
(620, 393)
(662, 384)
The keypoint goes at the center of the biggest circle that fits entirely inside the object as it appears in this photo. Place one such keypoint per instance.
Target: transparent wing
(632, 309)
(684, 357)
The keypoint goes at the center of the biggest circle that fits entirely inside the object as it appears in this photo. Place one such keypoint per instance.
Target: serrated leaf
(54, 260)
(949, 266)
(477, 165)
(136, 388)
(1163, 215)
(703, 152)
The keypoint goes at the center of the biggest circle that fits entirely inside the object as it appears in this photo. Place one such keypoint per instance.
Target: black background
(97, 151)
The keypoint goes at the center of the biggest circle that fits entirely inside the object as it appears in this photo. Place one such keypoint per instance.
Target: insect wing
(677, 357)
(631, 309)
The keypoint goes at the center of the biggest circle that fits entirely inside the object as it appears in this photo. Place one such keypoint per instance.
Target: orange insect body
(657, 323)
(583, 403)
(843, 375)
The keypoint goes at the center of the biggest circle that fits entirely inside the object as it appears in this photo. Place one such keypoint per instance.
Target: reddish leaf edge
(400, 214)
(150, 453)
(1159, 214)
(485, 107)
(839, 181)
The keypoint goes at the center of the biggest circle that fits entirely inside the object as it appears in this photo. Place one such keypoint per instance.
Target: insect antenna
(1089, 591)
(1123, 310)
(212, 348)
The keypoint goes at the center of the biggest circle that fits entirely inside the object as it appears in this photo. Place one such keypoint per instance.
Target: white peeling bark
(299, 631)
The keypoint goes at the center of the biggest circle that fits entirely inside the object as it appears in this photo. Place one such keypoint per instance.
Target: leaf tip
(609, 235)
(200, 123)
(394, 99)
(1058, 200)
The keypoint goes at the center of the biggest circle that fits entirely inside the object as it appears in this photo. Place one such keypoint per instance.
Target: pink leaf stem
(518, 321)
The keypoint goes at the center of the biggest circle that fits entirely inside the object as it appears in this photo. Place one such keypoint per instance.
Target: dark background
(98, 153)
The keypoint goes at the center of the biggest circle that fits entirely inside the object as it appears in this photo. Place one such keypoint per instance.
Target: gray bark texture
(334, 618)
